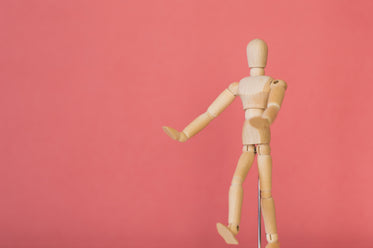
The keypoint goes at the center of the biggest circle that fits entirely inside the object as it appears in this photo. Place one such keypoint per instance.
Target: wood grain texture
(257, 51)
(261, 98)
(236, 191)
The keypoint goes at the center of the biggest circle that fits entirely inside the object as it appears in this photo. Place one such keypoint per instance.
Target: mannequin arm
(218, 106)
(276, 96)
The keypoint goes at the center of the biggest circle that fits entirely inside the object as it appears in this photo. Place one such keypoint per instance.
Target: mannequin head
(257, 51)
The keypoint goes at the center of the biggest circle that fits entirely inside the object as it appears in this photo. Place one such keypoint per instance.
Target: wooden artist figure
(261, 97)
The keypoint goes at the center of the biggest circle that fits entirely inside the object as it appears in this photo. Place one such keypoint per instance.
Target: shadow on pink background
(85, 87)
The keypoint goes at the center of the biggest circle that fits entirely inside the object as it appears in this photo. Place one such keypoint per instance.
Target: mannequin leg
(268, 205)
(236, 191)
(236, 194)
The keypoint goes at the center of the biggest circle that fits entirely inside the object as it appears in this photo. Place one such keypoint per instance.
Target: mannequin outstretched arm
(216, 108)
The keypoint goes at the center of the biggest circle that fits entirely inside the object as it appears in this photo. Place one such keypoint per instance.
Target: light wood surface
(228, 236)
(199, 123)
(267, 202)
(257, 51)
(236, 191)
(261, 98)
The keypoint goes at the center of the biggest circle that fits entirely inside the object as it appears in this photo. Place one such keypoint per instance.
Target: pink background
(85, 87)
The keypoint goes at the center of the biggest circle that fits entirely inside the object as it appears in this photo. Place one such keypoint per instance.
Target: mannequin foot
(234, 228)
(228, 233)
(273, 245)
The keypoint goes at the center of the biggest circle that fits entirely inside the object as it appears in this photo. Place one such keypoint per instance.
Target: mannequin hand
(259, 122)
(174, 134)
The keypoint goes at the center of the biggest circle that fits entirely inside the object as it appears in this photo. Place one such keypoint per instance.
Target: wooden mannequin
(261, 98)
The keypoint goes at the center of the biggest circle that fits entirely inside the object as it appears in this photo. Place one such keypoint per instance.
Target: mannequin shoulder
(279, 83)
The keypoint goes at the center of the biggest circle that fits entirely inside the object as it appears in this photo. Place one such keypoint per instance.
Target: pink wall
(85, 87)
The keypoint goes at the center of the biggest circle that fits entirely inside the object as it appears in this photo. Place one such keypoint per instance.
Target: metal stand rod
(259, 218)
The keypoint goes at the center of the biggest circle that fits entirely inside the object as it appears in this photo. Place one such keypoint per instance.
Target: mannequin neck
(256, 71)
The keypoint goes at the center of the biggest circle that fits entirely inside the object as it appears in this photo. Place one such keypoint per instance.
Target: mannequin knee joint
(264, 194)
(237, 181)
